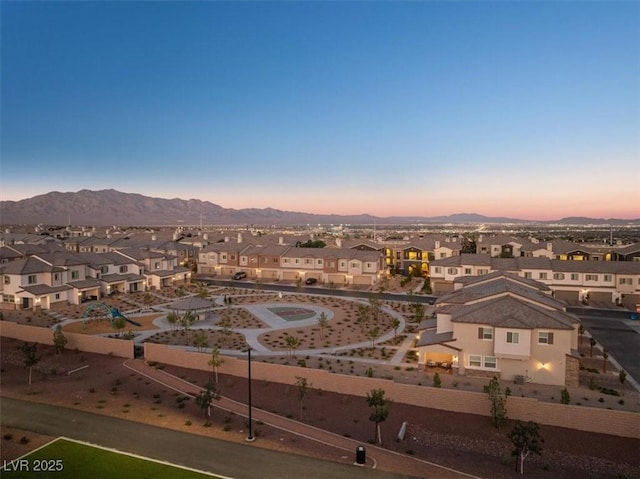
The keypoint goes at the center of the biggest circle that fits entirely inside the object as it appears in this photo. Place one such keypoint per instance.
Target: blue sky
(524, 109)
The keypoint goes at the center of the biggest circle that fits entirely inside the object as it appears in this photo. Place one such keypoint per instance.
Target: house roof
(42, 289)
(192, 304)
(30, 265)
(430, 337)
(509, 312)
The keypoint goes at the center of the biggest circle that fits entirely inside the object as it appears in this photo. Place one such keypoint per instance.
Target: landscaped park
(360, 337)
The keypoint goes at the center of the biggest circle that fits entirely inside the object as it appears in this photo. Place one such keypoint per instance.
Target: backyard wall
(618, 423)
(91, 344)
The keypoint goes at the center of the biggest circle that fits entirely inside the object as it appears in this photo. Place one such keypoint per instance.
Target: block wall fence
(83, 342)
(604, 421)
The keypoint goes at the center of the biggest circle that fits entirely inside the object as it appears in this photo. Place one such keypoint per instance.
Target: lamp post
(250, 437)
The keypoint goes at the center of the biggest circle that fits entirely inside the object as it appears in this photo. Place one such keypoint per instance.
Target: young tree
(373, 334)
(565, 397)
(395, 324)
(119, 324)
(203, 291)
(323, 322)
(418, 312)
(437, 382)
(206, 396)
(31, 357)
(216, 361)
(292, 343)
(525, 439)
(380, 405)
(303, 389)
(59, 339)
(200, 340)
(225, 325)
(185, 323)
(605, 357)
(622, 377)
(172, 319)
(363, 315)
(498, 402)
(592, 343)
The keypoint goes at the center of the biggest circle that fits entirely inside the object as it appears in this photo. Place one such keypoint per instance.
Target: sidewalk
(377, 457)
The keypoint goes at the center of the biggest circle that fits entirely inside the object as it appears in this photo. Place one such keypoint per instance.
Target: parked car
(311, 281)
(240, 275)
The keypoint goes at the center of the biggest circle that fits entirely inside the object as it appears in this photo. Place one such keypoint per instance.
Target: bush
(437, 382)
(565, 397)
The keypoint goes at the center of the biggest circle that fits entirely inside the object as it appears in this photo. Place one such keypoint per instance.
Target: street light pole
(250, 437)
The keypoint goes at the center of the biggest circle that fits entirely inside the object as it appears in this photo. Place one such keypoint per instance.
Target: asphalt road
(219, 457)
(290, 288)
(612, 330)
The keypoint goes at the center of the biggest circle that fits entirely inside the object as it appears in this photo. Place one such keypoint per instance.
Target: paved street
(220, 457)
(618, 334)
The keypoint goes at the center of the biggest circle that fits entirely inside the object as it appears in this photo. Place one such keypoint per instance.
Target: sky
(520, 109)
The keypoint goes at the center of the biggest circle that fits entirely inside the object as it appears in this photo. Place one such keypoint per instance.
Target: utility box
(361, 456)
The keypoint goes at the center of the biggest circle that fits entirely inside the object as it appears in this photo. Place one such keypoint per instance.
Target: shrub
(565, 397)
(437, 382)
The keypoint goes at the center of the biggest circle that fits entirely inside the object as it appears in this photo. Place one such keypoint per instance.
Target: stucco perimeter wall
(618, 423)
(91, 344)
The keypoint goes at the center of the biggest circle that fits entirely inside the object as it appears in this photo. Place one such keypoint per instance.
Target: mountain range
(111, 207)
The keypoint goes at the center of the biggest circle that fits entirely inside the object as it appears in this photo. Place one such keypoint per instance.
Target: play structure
(111, 312)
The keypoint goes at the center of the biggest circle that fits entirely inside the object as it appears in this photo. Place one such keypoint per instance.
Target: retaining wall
(604, 421)
(91, 344)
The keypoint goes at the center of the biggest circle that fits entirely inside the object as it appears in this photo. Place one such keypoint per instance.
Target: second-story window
(7, 279)
(32, 279)
(513, 337)
(75, 275)
(124, 269)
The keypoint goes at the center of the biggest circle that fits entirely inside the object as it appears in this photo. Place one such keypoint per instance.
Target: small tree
(418, 312)
(185, 323)
(119, 324)
(292, 343)
(200, 341)
(303, 389)
(216, 361)
(525, 439)
(605, 357)
(565, 397)
(225, 325)
(381, 405)
(203, 291)
(323, 322)
(395, 324)
(59, 339)
(206, 396)
(592, 343)
(437, 382)
(172, 319)
(498, 402)
(373, 334)
(622, 377)
(31, 357)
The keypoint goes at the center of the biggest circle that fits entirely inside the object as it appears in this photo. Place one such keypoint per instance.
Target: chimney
(205, 236)
(339, 242)
(281, 240)
(549, 246)
(226, 239)
(154, 238)
(239, 237)
(437, 245)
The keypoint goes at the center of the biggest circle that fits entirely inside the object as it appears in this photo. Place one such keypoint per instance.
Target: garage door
(362, 280)
(289, 275)
(336, 278)
(269, 274)
(570, 297)
(630, 301)
(599, 296)
(228, 271)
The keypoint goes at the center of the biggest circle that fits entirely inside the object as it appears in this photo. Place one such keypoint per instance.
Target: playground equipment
(110, 311)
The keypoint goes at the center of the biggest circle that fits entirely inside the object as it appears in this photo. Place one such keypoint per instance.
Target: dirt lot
(462, 441)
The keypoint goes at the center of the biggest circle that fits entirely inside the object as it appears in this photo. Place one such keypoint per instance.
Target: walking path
(378, 457)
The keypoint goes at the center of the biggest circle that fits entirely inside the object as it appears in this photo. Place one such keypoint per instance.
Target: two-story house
(504, 325)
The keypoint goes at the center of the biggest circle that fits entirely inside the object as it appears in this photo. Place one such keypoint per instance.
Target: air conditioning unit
(519, 379)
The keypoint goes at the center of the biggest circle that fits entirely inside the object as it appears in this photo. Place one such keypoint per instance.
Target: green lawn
(81, 460)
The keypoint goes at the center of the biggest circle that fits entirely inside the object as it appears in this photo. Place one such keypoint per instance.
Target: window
(297, 261)
(275, 260)
(543, 275)
(559, 276)
(438, 270)
(32, 279)
(285, 260)
(7, 279)
(233, 257)
(319, 262)
(57, 295)
(124, 269)
(527, 274)
(574, 277)
(156, 265)
(475, 361)
(56, 277)
(591, 277)
(443, 255)
(223, 256)
(625, 281)
(485, 333)
(467, 271)
(8, 298)
(354, 265)
(342, 264)
(490, 362)
(369, 265)
(75, 275)
(545, 337)
(452, 271)
(307, 261)
(483, 271)
(607, 278)
(512, 337)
